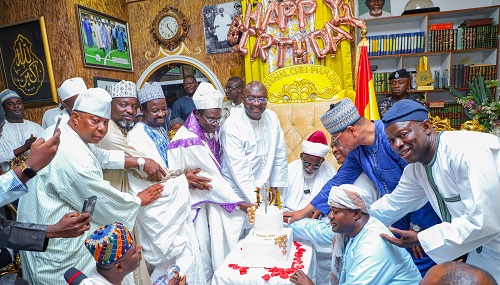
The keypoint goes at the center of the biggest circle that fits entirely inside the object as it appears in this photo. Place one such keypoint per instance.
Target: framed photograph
(25, 62)
(105, 40)
(104, 83)
(216, 20)
(372, 9)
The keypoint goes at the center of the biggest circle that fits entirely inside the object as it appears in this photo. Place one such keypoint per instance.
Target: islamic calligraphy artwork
(25, 61)
(27, 71)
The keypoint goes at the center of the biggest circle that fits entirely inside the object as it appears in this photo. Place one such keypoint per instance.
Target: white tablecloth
(226, 275)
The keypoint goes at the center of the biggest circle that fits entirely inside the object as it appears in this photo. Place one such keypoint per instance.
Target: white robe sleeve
(408, 197)
(279, 172)
(475, 219)
(109, 159)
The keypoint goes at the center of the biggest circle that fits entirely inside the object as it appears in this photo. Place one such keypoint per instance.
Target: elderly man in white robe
(62, 186)
(253, 146)
(458, 172)
(217, 220)
(165, 227)
(307, 175)
(18, 133)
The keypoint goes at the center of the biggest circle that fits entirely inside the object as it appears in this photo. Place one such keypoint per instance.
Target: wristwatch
(140, 163)
(27, 171)
(416, 228)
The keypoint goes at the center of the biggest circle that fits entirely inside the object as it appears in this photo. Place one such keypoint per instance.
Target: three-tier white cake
(266, 245)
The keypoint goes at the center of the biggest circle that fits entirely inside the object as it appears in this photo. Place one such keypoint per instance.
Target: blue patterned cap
(8, 94)
(123, 89)
(405, 110)
(149, 92)
(342, 114)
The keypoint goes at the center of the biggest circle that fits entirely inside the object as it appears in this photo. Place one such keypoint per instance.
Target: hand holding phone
(57, 124)
(89, 205)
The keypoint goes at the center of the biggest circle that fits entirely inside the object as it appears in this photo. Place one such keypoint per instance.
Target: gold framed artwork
(25, 62)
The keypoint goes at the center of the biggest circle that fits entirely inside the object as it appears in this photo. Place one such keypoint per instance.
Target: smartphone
(89, 205)
(57, 124)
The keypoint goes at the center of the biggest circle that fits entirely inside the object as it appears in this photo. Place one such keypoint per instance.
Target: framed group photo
(25, 64)
(105, 40)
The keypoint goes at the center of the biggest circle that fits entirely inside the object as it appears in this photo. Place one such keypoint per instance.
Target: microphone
(74, 276)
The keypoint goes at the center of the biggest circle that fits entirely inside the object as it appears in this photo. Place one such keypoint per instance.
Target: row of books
(381, 82)
(449, 110)
(396, 44)
(463, 38)
(461, 74)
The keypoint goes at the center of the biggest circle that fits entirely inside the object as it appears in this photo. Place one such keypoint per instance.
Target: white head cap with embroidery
(207, 97)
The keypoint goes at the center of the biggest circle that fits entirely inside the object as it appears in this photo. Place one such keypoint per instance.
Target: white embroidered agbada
(51, 116)
(253, 153)
(217, 221)
(61, 187)
(13, 136)
(465, 171)
(165, 228)
(294, 197)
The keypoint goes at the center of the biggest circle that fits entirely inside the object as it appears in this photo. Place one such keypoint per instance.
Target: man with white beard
(307, 175)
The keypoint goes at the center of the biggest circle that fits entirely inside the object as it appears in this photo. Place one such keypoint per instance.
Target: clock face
(168, 27)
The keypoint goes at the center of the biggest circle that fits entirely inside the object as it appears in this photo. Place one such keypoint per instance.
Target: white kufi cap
(207, 97)
(71, 87)
(95, 101)
(123, 89)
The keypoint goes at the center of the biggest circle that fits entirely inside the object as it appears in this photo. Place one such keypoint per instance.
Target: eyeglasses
(229, 89)
(307, 164)
(261, 100)
(212, 121)
(335, 141)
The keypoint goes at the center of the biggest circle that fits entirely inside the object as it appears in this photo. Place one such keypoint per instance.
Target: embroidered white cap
(207, 97)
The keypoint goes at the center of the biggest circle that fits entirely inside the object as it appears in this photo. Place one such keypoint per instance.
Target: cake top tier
(270, 223)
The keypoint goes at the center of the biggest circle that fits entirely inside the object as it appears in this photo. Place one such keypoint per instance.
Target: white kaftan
(465, 171)
(61, 187)
(100, 280)
(253, 153)
(15, 135)
(165, 228)
(294, 197)
(218, 223)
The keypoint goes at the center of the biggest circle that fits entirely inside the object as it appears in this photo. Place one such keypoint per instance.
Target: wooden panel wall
(61, 22)
(142, 14)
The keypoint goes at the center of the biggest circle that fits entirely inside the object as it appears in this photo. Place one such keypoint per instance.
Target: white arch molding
(180, 59)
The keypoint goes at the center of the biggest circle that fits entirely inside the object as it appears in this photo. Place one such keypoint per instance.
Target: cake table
(230, 272)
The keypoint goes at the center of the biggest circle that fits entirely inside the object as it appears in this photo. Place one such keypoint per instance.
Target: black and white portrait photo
(217, 19)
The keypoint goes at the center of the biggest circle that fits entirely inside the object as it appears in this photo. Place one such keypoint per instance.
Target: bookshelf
(400, 41)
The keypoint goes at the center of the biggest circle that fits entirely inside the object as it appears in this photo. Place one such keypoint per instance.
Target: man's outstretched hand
(408, 238)
(150, 194)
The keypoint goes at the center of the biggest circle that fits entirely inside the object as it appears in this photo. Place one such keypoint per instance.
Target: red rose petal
(266, 277)
(284, 275)
(300, 266)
